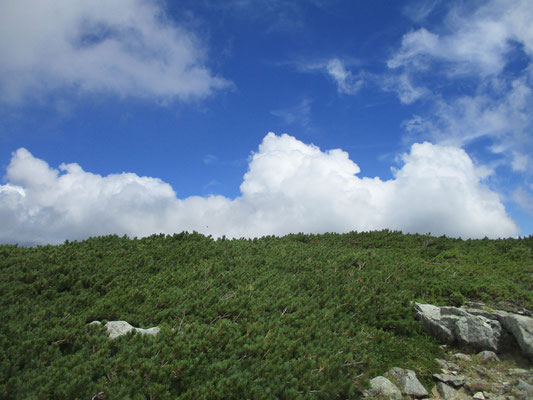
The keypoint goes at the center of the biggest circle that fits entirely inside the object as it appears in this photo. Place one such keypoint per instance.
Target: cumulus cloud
(121, 47)
(290, 186)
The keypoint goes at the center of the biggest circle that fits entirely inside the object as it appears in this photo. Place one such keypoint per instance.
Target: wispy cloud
(346, 82)
(126, 48)
(402, 85)
(209, 159)
(419, 10)
(296, 115)
(337, 70)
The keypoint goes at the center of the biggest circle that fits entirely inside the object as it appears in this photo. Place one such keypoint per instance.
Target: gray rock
(487, 313)
(454, 380)
(120, 328)
(446, 392)
(525, 387)
(381, 386)
(477, 385)
(451, 324)
(488, 356)
(407, 381)
(479, 396)
(521, 327)
(477, 332)
(463, 357)
(432, 321)
(447, 365)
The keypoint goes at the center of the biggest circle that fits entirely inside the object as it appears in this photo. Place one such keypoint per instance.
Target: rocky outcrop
(477, 329)
(461, 378)
(120, 328)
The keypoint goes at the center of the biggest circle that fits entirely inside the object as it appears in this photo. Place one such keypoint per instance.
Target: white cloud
(289, 187)
(404, 88)
(474, 72)
(506, 120)
(524, 198)
(346, 82)
(336, 70)
(121, 47)
(473, 40)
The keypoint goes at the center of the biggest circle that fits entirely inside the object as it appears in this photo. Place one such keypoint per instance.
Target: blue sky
(142, 116)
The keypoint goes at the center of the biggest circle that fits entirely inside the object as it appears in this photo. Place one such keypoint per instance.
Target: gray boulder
(451, 325)
(432, 321)
(521, 327)
(381, 386)
(477, 329)
(407, 382)
(446, 392)
(120, 328)
(518, 325)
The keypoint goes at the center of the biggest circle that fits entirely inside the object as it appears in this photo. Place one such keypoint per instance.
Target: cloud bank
(120, 47)
(290, 186)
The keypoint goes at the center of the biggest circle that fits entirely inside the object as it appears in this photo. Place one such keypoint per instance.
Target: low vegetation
(300, 316)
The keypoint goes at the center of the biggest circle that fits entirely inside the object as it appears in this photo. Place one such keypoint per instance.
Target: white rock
(120, 328)
(479, 396)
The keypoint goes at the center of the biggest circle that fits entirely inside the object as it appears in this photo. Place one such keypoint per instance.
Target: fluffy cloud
(289, 187)
(122, 47)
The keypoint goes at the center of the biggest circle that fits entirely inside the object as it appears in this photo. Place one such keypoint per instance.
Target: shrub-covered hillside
(301, 316)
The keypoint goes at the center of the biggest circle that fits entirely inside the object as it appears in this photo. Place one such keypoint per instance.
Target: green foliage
(301, 316)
